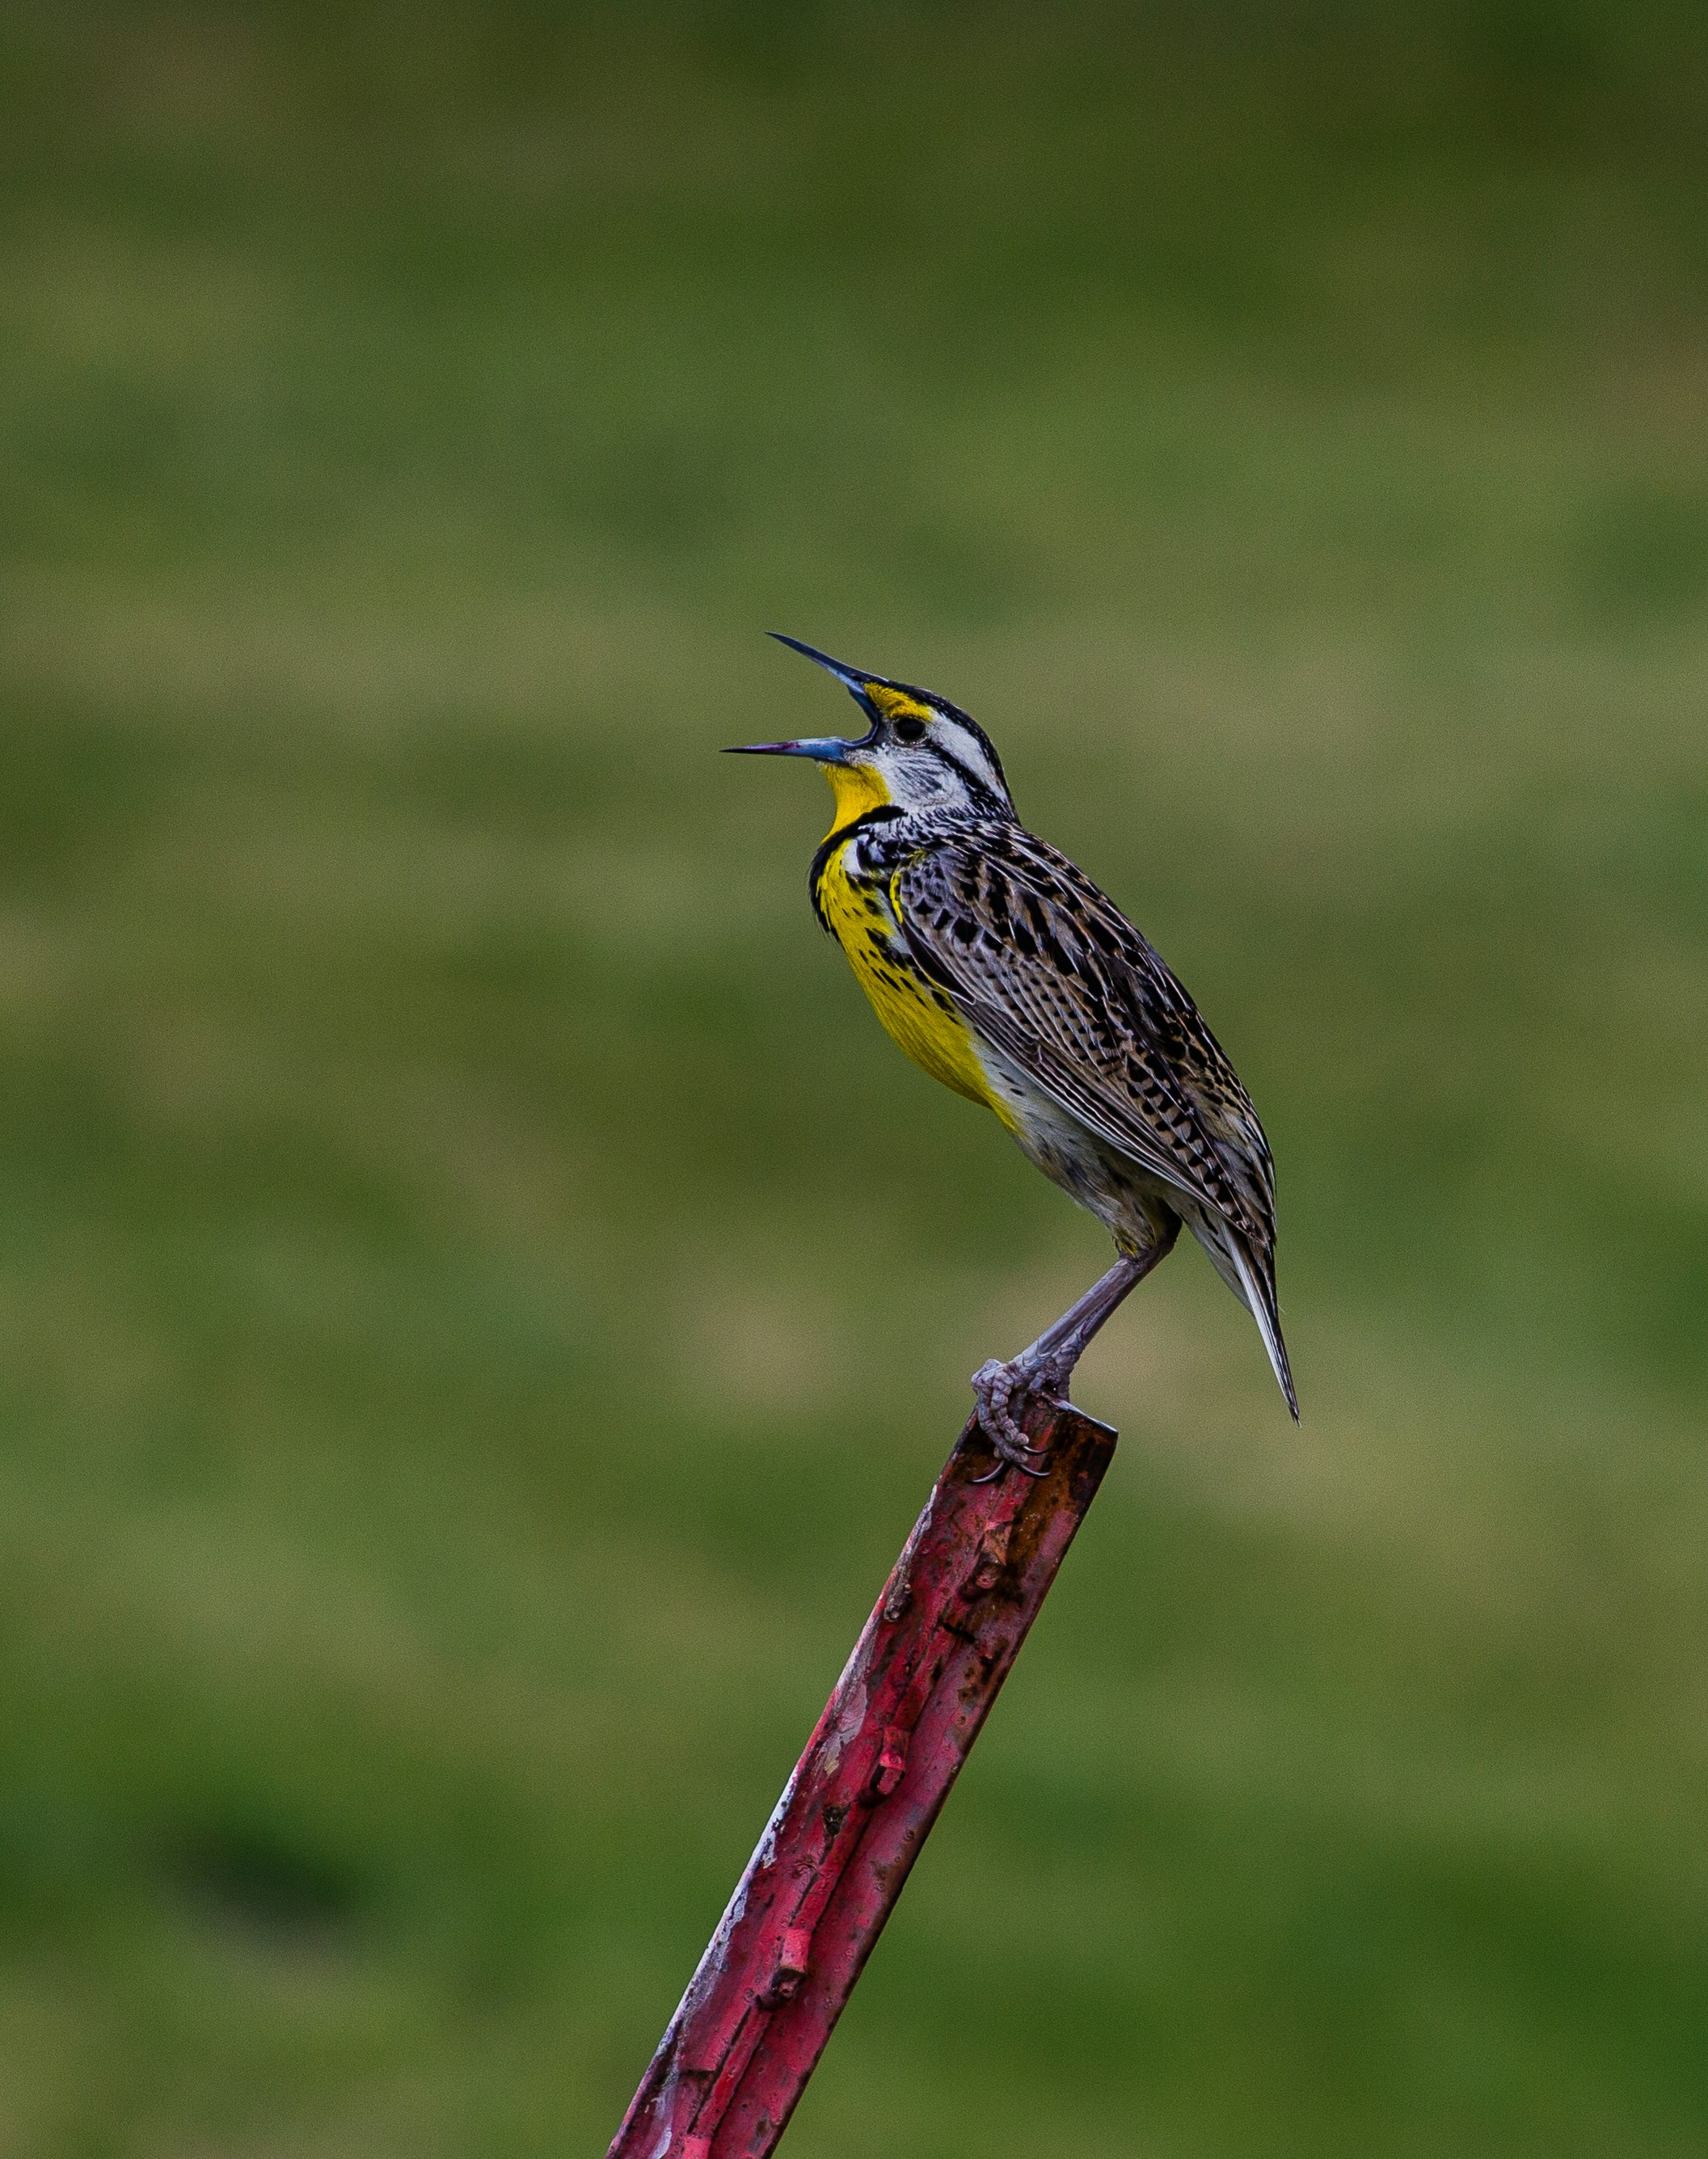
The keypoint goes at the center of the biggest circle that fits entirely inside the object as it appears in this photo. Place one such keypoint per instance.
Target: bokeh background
(481, 1301)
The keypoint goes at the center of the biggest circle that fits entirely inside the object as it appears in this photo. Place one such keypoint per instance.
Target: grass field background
(481, 1301)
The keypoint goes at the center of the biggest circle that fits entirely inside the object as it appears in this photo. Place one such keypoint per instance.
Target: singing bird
(998, 966)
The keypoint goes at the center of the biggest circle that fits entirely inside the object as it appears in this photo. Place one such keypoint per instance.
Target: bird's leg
(1043, 1370)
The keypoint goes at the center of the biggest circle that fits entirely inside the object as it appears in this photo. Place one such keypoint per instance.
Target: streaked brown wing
(1046, 967)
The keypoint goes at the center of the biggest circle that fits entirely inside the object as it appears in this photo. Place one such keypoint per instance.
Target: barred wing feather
(1048, 969)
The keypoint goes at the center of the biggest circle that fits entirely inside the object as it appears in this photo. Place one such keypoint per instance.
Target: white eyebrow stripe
(968, 750)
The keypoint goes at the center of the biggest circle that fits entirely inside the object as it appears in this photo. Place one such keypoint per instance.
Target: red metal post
(816, 1893)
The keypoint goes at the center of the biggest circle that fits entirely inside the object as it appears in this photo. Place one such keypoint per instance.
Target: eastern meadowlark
(1001, 968)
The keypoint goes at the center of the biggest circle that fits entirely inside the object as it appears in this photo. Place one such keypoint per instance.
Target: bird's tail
(1253, 1282)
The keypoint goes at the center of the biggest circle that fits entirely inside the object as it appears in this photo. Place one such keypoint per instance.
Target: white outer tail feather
(1226, 1247)
(1269, 1326)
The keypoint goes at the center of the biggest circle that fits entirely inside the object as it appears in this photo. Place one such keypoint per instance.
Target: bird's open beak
(827, 749)
(824, 749)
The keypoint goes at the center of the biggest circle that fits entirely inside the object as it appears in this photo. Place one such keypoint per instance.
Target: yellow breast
(932, 1033)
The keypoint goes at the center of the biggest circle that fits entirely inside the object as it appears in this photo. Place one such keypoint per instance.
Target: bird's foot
(995, 1387)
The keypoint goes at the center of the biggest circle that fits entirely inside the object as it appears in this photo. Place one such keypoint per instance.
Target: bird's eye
(909, 731)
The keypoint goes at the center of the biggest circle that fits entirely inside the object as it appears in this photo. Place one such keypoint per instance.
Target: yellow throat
(860, 917)
(857, 789)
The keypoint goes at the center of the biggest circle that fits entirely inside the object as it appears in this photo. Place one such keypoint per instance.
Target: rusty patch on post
(862, 1800)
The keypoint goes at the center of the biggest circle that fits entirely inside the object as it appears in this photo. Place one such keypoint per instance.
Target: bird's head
(919, 751)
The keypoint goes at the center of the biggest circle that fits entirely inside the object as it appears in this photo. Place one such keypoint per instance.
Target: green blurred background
(481, 1302)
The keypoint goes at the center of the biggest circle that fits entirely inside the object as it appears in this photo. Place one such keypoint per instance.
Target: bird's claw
(994, 1386)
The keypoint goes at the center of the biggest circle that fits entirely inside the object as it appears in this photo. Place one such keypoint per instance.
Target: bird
(1000, 968)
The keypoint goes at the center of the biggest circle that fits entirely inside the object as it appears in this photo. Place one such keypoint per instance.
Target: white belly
(1132, 1203)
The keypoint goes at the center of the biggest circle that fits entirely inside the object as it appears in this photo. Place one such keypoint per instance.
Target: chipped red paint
(864, 1796)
